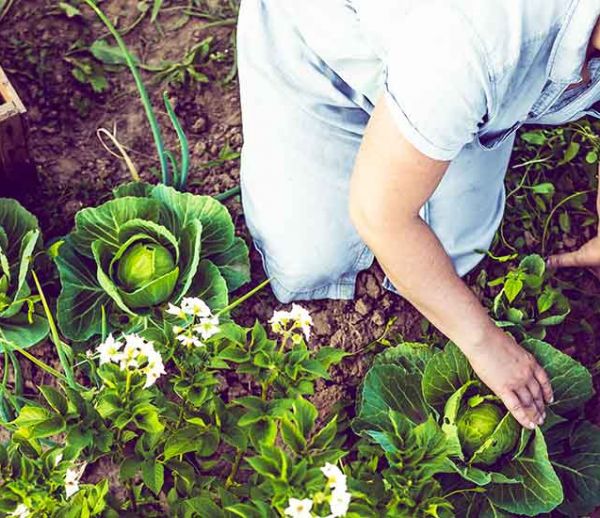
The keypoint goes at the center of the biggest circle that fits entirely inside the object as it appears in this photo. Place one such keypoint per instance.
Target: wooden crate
(16, 169)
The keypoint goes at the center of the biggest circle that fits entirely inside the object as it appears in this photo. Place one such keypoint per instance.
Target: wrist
(479, 338)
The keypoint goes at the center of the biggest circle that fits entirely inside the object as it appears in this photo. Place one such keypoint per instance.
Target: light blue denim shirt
(460, 77)
(459, 71)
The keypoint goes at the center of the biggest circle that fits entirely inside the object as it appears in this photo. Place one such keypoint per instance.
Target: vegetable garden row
(136, 302)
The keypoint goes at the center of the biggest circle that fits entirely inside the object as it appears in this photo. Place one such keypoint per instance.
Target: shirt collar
(569, 51)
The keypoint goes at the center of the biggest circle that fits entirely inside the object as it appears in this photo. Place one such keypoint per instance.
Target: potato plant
(160, 413)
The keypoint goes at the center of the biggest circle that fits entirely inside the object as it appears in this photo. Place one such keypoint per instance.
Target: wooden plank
(17, 171)
(9, 96)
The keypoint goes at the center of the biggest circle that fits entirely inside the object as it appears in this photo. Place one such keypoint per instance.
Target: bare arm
(392, 180)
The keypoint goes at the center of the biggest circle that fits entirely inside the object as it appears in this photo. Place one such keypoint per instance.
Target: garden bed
(70, 93)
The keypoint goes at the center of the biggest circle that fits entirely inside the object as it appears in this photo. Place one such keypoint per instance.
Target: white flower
(299, 508)
(302, 318)
(109, 350)
(280, 320)
(22, 511)
(176, 310)
(299, 317)
(339, 503)
(335, 477)
(58, 459)
(195, 307)
(154, 369)
(190, 340)
(207, 328)
(128, 357)
(72, 480)
(138, 343)
(144, 347)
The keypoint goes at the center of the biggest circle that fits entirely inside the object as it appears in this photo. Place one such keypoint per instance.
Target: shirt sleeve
(438, 84)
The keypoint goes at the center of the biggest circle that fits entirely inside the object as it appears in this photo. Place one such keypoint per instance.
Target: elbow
(376, 219)
(360, 214)
(368, 216)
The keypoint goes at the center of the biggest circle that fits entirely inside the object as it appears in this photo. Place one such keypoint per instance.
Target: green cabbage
(150, 246)
(447, 439)
(19, 240)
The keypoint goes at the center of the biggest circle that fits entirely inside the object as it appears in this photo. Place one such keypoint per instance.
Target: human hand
(588, 256)
(514, 375)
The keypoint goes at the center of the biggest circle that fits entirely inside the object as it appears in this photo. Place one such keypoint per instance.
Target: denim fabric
(460, 77)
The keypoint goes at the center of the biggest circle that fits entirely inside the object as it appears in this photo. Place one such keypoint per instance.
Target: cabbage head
(444, 433)
(20, 324)
(150, 246)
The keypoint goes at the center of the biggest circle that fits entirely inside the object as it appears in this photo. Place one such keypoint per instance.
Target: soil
(75, 170)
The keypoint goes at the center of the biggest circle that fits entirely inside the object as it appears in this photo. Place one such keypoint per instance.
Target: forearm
(417, 265)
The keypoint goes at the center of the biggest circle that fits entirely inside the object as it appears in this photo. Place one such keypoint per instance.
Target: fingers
(538, 398)
(542, 377)
(523, 413)
(570, 260)
(529, 405)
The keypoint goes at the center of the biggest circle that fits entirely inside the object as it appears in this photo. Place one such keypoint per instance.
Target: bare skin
(392, 180)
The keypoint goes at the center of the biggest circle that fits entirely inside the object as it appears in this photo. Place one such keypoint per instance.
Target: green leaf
(576, 459)
(543, 188)
(108, 54)
(55, 399)
(329, 356)
(104, 223)
(291, 435)
(233, 264)
(70, 10)
(451, 415)
(541, 490)
(23, 333)
(266, 467)
(571, 152)
(38, 423)
(571, 381)
(389, 387)
(512, 288)
(325, 435)
(536, 138)
(192, 439)
(546, 300)
(444, 374)
(156, 5)
(564, 220)
(153, 475)
(182, 208)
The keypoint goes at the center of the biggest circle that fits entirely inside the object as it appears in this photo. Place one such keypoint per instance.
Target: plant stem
(158, 141)
(551, 215)
(224, 196)
(244, 298)
(36, 361)
(64, 361)
(234, 469)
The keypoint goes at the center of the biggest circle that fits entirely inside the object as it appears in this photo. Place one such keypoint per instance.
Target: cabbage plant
(470, 452)
(19, 239)
(127, 259)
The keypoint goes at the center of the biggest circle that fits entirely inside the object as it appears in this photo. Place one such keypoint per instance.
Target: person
(383, 129)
